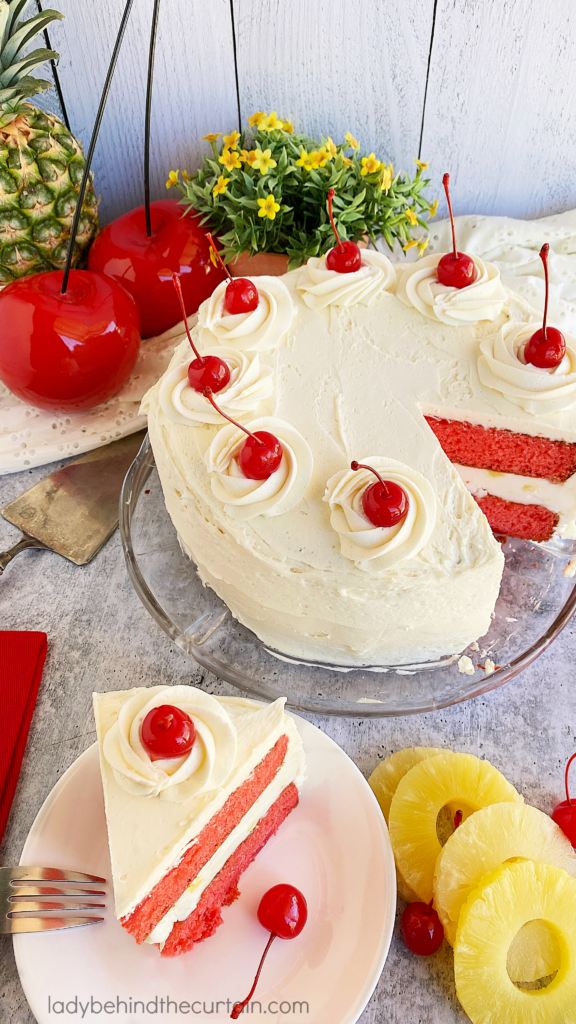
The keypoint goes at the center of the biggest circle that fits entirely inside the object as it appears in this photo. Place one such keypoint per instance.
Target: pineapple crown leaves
(16, 82)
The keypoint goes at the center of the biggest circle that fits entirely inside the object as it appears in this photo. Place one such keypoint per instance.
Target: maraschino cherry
(241, 293)
(385, 503)
(204, 371)
(455, 269)
(422, 929)
(345, 257)
(261, 454)
(167, 732)
(283, 911)
(564, 814)
(546, 348)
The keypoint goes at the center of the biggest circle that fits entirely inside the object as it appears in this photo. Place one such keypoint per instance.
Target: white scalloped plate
(334, 847)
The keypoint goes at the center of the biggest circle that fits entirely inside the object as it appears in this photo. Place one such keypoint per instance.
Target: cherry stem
(147, 118)
(178, 287)
(238, 1007)
(209, 394)
(446, 183)
(544, 257)
(359, 465)
(218, 256)
(566, 777)
(92, 146)
(331, 194)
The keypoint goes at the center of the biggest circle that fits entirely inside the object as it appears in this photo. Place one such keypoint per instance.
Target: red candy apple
(67, 351)
(144, 266)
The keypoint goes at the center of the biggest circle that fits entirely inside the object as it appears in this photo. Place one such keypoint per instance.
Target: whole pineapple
(41, 163)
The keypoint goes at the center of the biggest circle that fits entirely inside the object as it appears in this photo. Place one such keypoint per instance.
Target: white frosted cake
(387, 367)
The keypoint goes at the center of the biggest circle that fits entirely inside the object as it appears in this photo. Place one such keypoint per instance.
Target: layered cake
(419, 381)
(194, 786)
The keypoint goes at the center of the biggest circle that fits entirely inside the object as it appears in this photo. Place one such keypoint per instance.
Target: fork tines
(30, 908)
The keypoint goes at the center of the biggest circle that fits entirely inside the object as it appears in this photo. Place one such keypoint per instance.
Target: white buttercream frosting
(206, 766)
(320, 287)
(250, 384)
(501, 366)
(484, 299)
(247, 498)
(261, 330)
(360, 540)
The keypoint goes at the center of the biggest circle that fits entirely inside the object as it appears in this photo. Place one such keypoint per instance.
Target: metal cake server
(75, 509)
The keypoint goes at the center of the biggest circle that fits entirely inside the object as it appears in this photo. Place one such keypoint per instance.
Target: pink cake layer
(504, 451)
(223, 890)
(169, 889)
(530, 522)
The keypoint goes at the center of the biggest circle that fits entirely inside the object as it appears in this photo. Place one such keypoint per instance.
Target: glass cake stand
(535, 603)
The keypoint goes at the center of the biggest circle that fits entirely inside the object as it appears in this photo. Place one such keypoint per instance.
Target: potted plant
(263, 193)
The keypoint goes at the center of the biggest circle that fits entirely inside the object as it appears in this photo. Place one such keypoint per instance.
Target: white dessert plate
(334, 847)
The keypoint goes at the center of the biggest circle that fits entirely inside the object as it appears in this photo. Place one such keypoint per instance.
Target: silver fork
(27, 907)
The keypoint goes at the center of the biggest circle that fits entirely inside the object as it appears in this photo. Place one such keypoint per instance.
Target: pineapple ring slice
(493, 835)
(384, 782)
(494, 913)
(461, 782)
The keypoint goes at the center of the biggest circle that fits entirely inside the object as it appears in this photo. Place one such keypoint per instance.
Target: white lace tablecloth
(31, 437)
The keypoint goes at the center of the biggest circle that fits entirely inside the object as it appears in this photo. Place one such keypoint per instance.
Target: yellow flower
(263, 161)
(230, 159)
(248, 156)
(268, 207)
(422, 245)
(288, 127)
(211, 137)
(256, 118)
(271, 123)
(305, 160)
(346, 161)
(231, 141)
(386, 178)
(434, 208)
(331, 148)
(185, 176)
(172, 178)
(351, 140)
(411, 216)
(220, 186)
(318, 158)
(420, 164)
(370, 165)
(410, 244)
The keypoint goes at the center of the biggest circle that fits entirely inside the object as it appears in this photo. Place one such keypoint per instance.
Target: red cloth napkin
(21, 662)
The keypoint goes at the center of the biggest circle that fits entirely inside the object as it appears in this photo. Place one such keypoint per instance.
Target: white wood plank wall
(483, 88)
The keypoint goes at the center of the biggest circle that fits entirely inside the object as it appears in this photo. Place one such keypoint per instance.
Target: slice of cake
(194, 786)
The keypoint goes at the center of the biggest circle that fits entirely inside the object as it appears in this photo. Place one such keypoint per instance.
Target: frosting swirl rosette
(321, 287)
(205, 767)
(501, 367)
(250, 384)
(484, 299)
(244, 498)
(360, 540)
(261, 330)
